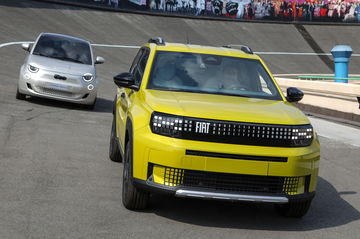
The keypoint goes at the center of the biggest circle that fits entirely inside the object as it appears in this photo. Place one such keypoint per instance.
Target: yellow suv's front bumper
(160, 163)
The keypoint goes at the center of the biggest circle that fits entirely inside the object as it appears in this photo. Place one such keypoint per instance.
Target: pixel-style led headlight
(165, 124)
(302, 136)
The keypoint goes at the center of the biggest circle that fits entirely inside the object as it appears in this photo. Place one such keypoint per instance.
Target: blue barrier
(341, 54)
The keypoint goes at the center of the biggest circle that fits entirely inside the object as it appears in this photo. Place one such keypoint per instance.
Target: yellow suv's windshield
(213, 74)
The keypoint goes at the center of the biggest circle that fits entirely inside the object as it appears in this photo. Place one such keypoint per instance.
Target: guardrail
(328, 98)
(320, 77)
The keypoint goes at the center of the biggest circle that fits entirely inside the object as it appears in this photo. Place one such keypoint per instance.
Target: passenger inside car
(232, 79)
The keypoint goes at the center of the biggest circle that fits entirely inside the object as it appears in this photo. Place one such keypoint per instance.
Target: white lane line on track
(15, 43)
(297, 53)
(116, 46)
(335, 131)
(137, 47)
(95, 44)
(293, 53)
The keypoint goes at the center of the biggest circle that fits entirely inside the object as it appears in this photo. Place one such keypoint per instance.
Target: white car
(59, 67)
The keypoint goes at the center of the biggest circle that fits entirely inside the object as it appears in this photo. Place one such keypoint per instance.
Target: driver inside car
(165, 74)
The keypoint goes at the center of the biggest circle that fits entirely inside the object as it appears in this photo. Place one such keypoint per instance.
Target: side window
(143, 60)
(264, 86)
(136, 60)
(140, 67)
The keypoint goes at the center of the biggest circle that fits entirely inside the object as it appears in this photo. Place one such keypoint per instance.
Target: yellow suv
(211, 122)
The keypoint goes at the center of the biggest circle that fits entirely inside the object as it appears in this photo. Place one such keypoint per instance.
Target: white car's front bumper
(43, 84)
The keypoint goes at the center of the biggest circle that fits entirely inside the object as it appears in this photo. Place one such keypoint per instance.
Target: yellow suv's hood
(223, 107)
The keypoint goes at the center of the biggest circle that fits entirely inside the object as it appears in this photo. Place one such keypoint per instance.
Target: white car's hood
(56, 65)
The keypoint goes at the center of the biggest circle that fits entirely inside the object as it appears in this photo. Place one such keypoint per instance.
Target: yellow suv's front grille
(173, 177)
(228, 182)
(294, 185)
(229, 132)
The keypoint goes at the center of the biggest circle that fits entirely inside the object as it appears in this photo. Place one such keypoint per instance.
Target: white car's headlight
(88, 77)
(33, 69)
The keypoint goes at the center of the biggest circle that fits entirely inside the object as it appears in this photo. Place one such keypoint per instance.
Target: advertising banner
(279, 10)
(138, 2)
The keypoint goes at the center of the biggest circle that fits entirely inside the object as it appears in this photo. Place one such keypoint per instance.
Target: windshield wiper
(200, 92)
(230, 94)
(60, 58)
(39, 54)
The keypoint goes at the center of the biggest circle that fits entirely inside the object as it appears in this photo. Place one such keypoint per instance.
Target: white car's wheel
(19, 95)
(92, 106)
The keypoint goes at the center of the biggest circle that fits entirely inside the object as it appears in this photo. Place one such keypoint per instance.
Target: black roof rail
(244, 48)
(157, 40)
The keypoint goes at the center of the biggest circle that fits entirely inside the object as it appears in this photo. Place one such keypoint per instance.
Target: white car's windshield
(214, 74)
(63, 48)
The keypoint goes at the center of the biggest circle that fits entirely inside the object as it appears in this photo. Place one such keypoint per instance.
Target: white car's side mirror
(99, 60)
(26, 46)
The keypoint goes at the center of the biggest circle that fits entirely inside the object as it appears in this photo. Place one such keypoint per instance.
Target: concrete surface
(56, 180)
(329, 36)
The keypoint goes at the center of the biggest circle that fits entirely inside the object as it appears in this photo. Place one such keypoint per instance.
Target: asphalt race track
(56, 180)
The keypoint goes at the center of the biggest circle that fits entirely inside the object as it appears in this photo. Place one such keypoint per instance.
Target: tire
(92, 106)
(293, 209)
(19, 95)
(114, 150)
(132, 197)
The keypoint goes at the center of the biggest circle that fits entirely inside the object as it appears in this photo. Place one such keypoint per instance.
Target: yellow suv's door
(125, 96)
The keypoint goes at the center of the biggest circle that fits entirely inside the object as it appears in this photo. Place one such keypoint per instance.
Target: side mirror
(126, 80)
(26, 46)
(99, 60)
(294, 94)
